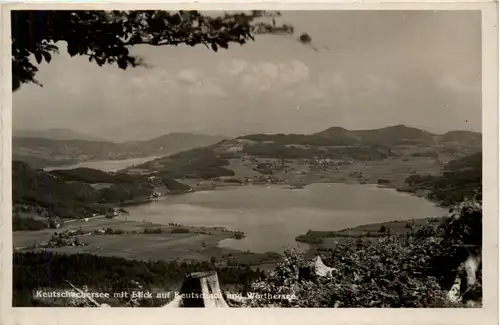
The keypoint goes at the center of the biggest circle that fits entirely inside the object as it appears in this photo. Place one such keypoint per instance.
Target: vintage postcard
(266, 163)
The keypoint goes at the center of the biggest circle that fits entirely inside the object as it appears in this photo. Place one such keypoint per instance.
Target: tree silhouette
(106, 36)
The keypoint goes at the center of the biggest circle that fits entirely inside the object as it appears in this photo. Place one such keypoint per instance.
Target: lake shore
(320, 240)
(201, 247)
(387, 173)
(142, 240)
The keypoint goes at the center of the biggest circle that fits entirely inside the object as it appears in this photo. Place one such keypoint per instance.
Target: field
(296, 171)
(199, 244)
(327, 240)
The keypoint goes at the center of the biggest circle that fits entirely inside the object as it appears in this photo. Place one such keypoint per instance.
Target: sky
(372, 69)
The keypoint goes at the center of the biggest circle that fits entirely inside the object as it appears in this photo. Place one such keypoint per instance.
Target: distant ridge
(387, 136)
(42, 152)
(356, 144)
(57, 134)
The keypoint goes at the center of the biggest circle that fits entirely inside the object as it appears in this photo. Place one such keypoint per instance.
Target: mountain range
(405, 143)
(357, 144)
(57, 134)
(389, 136)
(41, 152)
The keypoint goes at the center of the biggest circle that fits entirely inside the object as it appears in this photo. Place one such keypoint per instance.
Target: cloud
(453, 83)
(232, 67)
(293, 72)
(269, 76)
(190, 76)
(207, 87)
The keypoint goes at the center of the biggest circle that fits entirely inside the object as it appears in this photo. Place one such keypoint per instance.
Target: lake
(272, 216)
(106, 165)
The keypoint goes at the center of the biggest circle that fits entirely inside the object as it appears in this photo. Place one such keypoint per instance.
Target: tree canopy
(105, 37)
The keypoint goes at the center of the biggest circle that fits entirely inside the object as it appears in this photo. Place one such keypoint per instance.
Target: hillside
(172, 143)
(79, 192)
(56, 134)
(327, 153)
(395, 135)
(464, 137)
(32, 189)
(460, 180)
(43, 152)
(392, 135)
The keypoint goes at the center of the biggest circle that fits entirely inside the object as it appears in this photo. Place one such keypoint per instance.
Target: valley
(196, 208)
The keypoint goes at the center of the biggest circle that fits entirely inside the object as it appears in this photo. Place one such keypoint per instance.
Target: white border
(486, 315)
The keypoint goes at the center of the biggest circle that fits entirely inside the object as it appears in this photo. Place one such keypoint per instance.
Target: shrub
(239, 235)
(79, 232)
(412, 270)
(180, 231)
(19, 223)
(153, 230)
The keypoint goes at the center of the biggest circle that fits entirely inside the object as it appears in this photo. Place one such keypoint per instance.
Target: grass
(142, 241)
(321, 240)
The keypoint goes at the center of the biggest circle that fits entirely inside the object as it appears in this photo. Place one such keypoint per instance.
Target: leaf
(82, 49)
(72, 48)
(47, 56)
(223, 44)
(156, 40)
(174, 19)
(122, 63)
(38, 57)
(214, 47)
(100, 61)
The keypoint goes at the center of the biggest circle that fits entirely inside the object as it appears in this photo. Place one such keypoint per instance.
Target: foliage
(195, 163)
(174, 186)
(288, 151)
(415, 269)
(38, 188)
(383, 181)
(65, 238)
(301, 139)
(180, 231)
(27, 223)
(123, 192)
(110, 231)
(105, 37)
(411, 270)
(153, 230)
(461, 180)
(66, 193)
(36, 270)
(238, 235)
(91, 176)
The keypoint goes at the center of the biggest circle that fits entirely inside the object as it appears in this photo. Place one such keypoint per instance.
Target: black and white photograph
(247, 158)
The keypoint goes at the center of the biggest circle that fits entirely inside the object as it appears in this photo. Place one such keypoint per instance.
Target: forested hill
(76, 193)
(241, 156)
(42, 152)
(388, 136)
(461, 179)
(57, 134)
